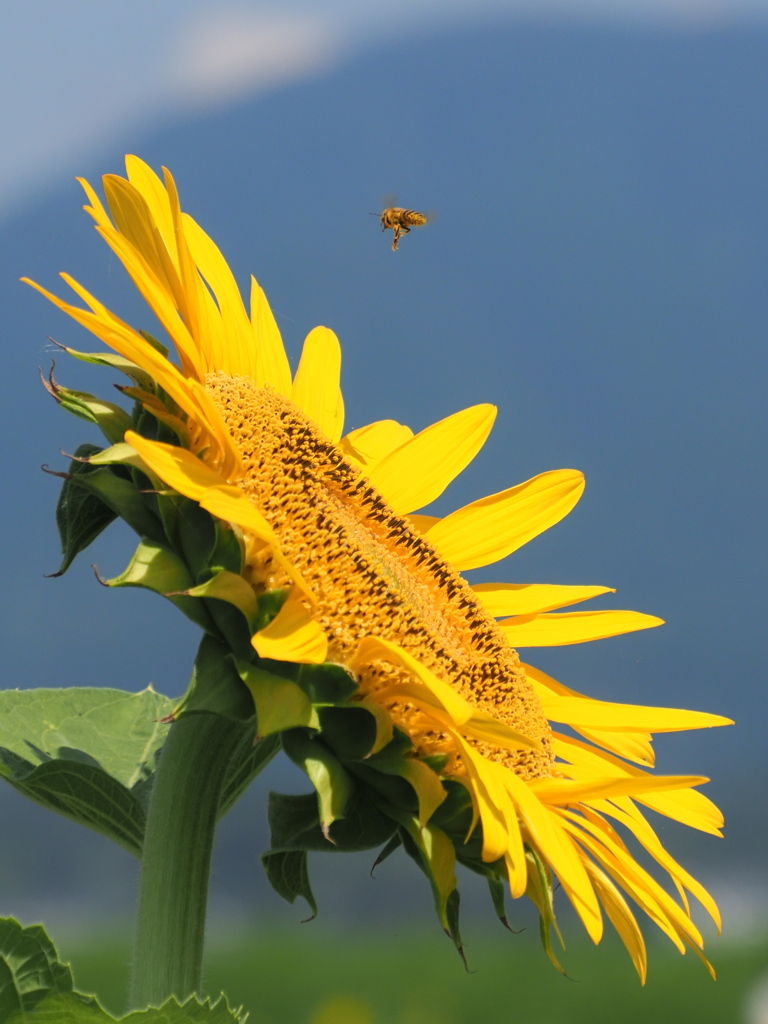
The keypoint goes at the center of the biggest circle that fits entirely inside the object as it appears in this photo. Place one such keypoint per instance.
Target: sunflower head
(334, 613)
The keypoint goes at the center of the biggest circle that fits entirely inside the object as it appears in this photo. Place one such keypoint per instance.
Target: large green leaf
(63, 1008)
(73, 1008)
(86, 752)
(192, 1011)
(36, 988)
(29, 969)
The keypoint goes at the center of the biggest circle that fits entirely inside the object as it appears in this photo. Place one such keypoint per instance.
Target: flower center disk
(374, 575)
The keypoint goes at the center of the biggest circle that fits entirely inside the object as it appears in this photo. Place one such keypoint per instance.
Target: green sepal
(228, 550)
(80, 515)
(120, 454)
(498, 897)
(384, 725)
(288, 875)
(280, 703)
(454, 816)
(436, 762)
(123, 497)
(215, 686)
(394, 844)
(391, 786)
(326, 683)
(157, 568)
(196, 536)
(269, 604)
(424, 782)
(332, 783)
(539, 891)
(158, 346)
(88, 753)
(495, 875)
(115, 362)
(433, 851)
(294, 823)
(232, 588)
(110, 418)
(350, 731)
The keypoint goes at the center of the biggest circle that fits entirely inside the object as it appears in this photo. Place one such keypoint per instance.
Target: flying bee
(400, 221)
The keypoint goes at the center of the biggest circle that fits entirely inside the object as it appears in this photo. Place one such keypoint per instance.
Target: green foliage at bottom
(37, 988)
(405, 974)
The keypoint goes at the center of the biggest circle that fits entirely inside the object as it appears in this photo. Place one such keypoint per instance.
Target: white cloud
(225, 54)
(78, 76)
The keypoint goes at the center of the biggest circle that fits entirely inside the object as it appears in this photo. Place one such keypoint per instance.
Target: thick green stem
(177, 857)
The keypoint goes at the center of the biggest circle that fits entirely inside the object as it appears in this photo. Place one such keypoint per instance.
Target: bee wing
(390, 199)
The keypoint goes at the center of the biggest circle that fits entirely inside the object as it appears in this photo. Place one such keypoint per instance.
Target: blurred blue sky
(76, 77)
(597, 269)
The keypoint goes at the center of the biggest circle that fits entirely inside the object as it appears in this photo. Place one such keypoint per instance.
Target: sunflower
(330, 523)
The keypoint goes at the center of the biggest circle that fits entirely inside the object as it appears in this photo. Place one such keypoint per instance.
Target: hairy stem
(176, 861)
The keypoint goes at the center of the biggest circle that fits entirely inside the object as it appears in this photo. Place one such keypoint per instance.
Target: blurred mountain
(596, 267)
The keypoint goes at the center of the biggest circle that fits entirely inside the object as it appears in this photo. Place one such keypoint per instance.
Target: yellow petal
(427, 786)
(687, 806)
(165, 303)
(293, 635)
(556, 849)
(369, 445)
(422, 523)
(500, 599)
(193, 297)
(516, 861)
(316, 387)
(229, 503)
(489, 798)
(144, 179)
(96, 209)
(419, 471)
(131, 216)
(188, 393)
(621, 917)
(603, 843)
(636, 746)
(563, 792)
(373, 648)
(624, 811)
(177, 467)
(558, 628)
(271, 361)
(134, 222)
(236, 355)
(438, 697)
(494, 527)
(597, 714)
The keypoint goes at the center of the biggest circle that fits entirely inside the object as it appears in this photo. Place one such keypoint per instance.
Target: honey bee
(400, 221)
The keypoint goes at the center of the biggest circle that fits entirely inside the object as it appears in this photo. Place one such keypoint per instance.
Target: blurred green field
(301, 977)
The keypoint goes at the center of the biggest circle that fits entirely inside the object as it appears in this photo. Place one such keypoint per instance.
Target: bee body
(400, 221)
